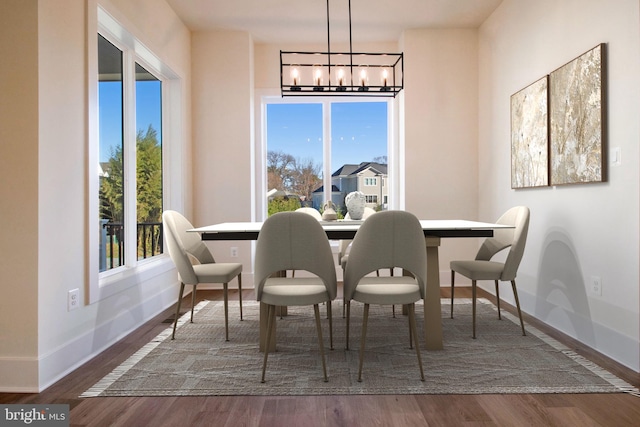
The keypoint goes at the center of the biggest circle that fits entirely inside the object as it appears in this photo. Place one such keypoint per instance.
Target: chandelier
(341, 73)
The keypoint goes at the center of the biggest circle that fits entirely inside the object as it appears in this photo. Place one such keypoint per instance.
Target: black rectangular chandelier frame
(341, 73)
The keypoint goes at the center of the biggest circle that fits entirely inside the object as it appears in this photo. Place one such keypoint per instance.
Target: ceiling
(305, 21)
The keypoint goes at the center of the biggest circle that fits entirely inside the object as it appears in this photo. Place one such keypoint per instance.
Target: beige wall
(441, 131)
(43, 127)
(223, 134)
(576, 231)
(19, 189)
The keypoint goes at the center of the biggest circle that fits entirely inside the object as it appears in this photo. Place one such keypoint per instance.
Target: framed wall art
(530, 136)
(577, 120)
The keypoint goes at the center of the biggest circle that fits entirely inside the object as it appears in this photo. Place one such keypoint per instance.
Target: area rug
(200, 363)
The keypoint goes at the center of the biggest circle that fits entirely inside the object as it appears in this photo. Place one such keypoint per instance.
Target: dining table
(434, 231)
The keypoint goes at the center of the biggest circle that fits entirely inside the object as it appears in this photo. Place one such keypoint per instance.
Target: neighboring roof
(334, 189)
(347, 170)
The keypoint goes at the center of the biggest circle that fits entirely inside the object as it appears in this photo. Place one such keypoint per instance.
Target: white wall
(576, 231)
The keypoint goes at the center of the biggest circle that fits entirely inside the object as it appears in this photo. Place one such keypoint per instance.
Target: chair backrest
(182, 244)
(294, 241)
(387, 239)
(311, 211)
(344, 244)
(512, 238)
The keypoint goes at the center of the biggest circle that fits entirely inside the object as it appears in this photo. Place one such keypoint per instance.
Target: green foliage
(148, 181)
(283, 204)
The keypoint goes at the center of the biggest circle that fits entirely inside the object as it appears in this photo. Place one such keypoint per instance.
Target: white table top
(427, 224)
(445, 227)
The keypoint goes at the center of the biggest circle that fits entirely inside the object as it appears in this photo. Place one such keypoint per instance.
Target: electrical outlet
(234, 252)
(73, 299)
(595, 287)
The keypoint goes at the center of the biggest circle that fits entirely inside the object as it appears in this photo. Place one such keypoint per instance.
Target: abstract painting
(529, 136)
(577, 120)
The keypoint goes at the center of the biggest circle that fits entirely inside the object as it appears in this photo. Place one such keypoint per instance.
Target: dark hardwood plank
(310, 411)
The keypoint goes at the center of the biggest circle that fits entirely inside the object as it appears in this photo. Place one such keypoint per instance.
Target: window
(371, 199)
(123, 158)
(135, 106)
(306, 168)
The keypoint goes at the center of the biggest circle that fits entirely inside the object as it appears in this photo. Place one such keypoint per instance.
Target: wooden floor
(393, 410)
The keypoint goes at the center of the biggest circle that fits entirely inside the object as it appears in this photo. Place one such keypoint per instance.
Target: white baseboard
(71, 355)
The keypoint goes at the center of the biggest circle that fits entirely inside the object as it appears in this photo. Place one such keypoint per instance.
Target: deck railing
(148, 242)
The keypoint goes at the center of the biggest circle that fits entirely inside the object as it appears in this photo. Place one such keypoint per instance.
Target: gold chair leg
(365, 320)
(330, 316)
(515, 295)
(240, 293)
(226, 311)
(348, 305)
(175, 323)
(453, 278)
(316, 309)
(193, 300)
(414, 333)
(498, 300)
(473, 305)
(271, 315)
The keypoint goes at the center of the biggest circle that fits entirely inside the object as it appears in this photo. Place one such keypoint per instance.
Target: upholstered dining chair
(345, 244)
(294, 241)
(315, 213)
(386, 240)
(482, 268)
(196, 264)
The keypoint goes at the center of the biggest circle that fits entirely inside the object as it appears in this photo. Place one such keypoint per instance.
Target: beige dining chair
(196, 264)
(315, 213)
(386, 240)
(482, 268)
(294, 241)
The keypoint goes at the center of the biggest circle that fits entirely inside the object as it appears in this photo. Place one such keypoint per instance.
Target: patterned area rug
(200, 363)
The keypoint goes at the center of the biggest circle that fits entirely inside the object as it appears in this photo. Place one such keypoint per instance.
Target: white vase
(355, 202)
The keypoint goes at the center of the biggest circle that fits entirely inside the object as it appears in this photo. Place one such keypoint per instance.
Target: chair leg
(365, 320)
(226, 311)
(498, 300)
(473, 305)
(175, 323)
(515, 295)
(316, 309)
(453, 279)
(414, 333)
(271, 314)
(330, 317)
(240, 293)
(193, 300)
(348, 305)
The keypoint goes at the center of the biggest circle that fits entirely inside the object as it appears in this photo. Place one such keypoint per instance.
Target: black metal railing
(148, 242)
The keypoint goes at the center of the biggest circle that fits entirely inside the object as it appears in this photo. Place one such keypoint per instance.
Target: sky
(358, 131)
(148, 112)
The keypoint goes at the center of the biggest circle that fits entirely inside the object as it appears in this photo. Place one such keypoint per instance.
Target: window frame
(395, 146)
(104, 284)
